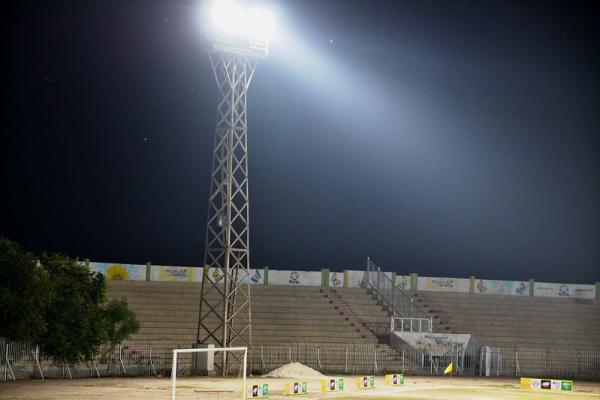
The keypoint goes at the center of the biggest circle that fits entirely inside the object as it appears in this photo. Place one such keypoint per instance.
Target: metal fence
(398, 301)
(404, 324)
(25, 361)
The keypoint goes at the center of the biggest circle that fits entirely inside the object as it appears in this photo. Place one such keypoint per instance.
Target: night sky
(447, 138)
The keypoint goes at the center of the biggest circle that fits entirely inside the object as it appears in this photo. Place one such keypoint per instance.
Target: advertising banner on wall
(165, 273)
(295, 278)
(513, 288)
(124, 272)
(543, 289)
(459, 285)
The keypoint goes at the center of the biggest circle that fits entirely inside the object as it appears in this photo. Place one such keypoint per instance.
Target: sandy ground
(420, 388)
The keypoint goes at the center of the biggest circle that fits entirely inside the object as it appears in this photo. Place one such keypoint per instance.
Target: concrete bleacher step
(280, 314)
(520, 321)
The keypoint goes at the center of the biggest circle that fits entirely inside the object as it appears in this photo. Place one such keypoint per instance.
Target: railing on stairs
(398, 301)
(405, 324)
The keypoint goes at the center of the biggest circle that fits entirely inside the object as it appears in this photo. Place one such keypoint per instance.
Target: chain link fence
(25, 361)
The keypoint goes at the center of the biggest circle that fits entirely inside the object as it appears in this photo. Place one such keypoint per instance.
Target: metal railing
(22, 361)
(404, 324)
(398, 301)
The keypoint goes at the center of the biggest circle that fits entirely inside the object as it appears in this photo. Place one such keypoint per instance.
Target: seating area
(168, 312)
(280, 314)
(509, 321)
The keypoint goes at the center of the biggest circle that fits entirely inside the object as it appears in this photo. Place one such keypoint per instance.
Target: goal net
(210, 352)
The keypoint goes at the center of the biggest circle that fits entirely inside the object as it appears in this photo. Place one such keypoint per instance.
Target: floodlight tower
(239, 38)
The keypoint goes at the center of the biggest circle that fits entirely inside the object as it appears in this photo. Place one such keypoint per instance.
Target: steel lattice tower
(224, 317)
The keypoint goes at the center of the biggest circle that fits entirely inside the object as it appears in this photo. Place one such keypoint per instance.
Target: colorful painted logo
(117, 272)
(335, 282)
(522, 289)
(563, 291)
(294, 278)
(546, 384)
(402, 283)
(256, 278)
(566, 385)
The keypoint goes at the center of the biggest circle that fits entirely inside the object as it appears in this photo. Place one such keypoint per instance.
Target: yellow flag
(448, 369)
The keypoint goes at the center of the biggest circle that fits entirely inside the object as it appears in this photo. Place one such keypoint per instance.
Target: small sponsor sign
(295, 388)
(365, 382)
(394, 379)
(258, 391)
(566, 385)
(332, 385)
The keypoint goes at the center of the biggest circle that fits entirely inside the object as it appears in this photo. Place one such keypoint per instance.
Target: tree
(23, 293)
(75, 325)
(120, 322)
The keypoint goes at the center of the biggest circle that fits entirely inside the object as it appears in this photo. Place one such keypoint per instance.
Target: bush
(23, 293)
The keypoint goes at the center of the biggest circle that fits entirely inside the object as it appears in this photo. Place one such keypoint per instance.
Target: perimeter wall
(323, 277)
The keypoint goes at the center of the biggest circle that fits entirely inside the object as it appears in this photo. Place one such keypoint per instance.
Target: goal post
(206, 350)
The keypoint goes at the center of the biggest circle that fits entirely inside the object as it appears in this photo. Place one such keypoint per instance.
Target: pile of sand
(294, 370)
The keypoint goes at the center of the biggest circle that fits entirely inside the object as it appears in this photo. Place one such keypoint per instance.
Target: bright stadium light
(231, 19)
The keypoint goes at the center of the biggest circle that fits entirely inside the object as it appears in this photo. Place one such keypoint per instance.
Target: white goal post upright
(206, 350)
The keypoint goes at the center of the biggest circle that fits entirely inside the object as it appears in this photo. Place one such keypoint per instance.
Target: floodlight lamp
(228, 17)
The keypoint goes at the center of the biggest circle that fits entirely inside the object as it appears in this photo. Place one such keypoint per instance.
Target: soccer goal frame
(206, 350)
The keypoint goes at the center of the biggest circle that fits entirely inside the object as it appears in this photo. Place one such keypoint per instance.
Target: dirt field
(420, 388)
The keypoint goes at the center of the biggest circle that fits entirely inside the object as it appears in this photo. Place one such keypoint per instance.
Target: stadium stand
(280, 314)
(168, 311)
(523, 321)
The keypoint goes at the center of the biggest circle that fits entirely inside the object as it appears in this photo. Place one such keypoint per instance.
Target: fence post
(37, 360)
(403, 361)
(597, 290)
(266, 276)
(346, 359)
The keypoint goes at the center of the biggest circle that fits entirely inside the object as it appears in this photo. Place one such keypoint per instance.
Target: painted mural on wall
(257, 277)
(124, 272)
(295, 278)
(336, 279)
(460, 285)
(543, 289)
(514, 288)
(349, 278)
(403, 282)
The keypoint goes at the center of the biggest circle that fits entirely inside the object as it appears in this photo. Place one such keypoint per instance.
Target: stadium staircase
(509, 321)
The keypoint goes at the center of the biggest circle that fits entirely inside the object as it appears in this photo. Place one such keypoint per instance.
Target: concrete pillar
(414, 279)
(324, 277)
(266, 275)
(471, 284)
(346, 278)
(148, 271)
(531, 287)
